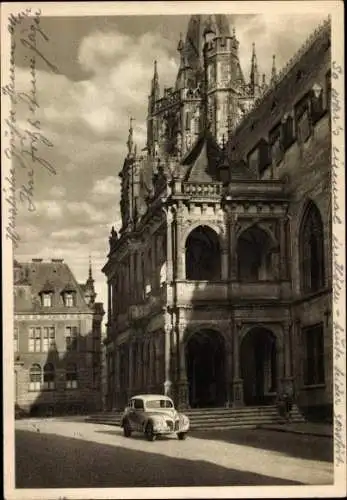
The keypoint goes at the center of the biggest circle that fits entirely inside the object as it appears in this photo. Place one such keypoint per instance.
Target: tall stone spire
(254, 76)
(89, 293)
(273, 71)
(155, 90)
(198, 24)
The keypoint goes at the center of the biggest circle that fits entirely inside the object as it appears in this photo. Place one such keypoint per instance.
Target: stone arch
(262, 227)
(203, 254)
(206, 325)
(205, 354)
(212, 225)
(255, 249)
(260, 363)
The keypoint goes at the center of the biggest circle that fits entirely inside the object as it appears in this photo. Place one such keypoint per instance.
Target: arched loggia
(203, 255)
(254, 253)
(205, 360)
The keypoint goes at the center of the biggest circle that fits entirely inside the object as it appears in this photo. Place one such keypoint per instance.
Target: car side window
(138, 404)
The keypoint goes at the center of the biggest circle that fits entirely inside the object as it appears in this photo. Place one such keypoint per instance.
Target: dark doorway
(258, 367)
(205, 354)
(203, 255)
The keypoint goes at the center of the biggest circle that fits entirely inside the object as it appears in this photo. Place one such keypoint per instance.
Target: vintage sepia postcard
(173, 235)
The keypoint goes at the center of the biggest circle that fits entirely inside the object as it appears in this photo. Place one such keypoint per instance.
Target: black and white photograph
(173, 233)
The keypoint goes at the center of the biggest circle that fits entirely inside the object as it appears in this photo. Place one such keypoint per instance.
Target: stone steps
(218, 418)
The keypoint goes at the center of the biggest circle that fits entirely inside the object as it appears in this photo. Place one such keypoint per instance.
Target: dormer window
(69, 299)
(46, 298)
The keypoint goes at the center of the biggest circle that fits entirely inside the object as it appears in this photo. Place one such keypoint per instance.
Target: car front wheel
(182, 435)
(126, 429)
(149, 432)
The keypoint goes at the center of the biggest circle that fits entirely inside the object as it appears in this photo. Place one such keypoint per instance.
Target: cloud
(109, 186)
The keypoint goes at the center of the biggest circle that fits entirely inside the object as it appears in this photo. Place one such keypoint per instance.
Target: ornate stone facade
(205, 280)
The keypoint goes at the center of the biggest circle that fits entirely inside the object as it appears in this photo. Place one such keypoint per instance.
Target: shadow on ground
(294, 445)
(51, 461)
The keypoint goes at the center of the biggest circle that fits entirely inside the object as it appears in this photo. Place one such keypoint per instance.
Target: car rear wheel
(126, 429)
(149, 432)
(182, 435)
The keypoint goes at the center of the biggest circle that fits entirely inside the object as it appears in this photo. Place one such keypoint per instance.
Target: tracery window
(312, 250)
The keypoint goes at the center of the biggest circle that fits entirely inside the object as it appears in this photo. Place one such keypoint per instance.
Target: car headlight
(184, 420)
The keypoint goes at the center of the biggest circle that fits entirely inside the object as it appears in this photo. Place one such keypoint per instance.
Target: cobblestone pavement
(65, 454)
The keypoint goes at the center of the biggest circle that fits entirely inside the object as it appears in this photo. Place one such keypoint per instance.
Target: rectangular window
(71, 384)
(48, 338)
(71, 338)
(47, 300)
(303, 119)
(35, 339)
(314, 355)
(287, 132)
(253, 160)
(15, 339)
(276, 145)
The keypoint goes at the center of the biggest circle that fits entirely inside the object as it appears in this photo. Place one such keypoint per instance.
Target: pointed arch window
(49, 377)
(35, 375)
(312, 250)
(71, 376)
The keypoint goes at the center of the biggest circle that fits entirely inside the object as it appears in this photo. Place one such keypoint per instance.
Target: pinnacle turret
(130, 141)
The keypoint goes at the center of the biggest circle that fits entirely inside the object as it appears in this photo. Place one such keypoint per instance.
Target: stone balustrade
(203, 189)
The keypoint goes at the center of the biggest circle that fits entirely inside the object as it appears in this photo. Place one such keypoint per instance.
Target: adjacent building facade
(57, 340)
(219, 282)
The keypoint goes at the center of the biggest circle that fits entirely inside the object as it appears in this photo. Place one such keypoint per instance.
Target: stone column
(180, 271)
(232, 249)
(155, 265)
(228, 373)
(224, 262)
(116, 400)
(169, 254)
(283, 250)
(287, 381)
(237, 380)
(139, 278)
(183, 394)
(150, 365)
(130, 368)
(109, 303)
(145, 366)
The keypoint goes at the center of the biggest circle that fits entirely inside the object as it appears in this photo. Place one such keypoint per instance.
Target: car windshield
(159, 403)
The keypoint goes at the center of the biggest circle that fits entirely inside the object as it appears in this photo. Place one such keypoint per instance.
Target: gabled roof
(203, 159)
(51, 277)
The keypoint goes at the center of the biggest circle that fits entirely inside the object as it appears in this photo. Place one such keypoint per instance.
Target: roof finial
(130, 141)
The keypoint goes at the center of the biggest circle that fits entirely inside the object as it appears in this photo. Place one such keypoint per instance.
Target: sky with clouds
(105, 65)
